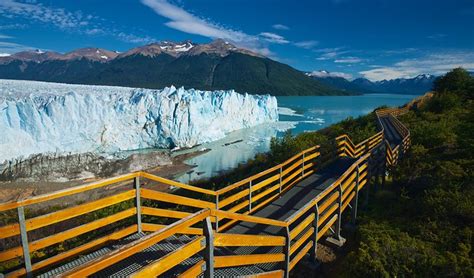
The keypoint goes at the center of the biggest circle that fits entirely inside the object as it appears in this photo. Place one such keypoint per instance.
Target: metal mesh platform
(131, 264)
(139, 260)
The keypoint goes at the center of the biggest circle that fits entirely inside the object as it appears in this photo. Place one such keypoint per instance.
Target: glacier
(42, 117)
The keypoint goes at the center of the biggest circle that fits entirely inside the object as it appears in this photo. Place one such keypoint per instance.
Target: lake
(298, 114)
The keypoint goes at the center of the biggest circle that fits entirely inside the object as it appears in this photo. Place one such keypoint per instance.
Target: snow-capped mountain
(154, 49)
(416, 85)
(336, 80)
(90, 53)
(212, 66)
(39, 117)
(39, 56)
(219, 47)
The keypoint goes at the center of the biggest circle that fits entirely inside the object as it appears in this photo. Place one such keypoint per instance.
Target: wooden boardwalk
(260, 226)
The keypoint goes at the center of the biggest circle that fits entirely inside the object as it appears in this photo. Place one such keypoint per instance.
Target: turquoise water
(298, 114)
(319, 112)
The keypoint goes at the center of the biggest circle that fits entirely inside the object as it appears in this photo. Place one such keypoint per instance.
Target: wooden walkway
(260, 226)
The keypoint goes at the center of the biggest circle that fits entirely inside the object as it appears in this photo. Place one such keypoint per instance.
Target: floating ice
(288, 112)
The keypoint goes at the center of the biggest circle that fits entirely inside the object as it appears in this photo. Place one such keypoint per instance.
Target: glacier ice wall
(39, 117)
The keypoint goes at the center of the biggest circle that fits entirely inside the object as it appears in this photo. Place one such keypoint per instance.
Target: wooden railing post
(315, 235)
(337, 239)
(250, 196)
(356, 197)
(340, 147)
(339, 213)
(217, 208)
(366, 197)
(281, 170)
(138, 203)
(209, 249)
(24, 241)
(286, 251)
(302, 166)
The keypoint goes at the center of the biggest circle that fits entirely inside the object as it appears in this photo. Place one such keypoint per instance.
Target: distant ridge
(416, 86)
(213, 66)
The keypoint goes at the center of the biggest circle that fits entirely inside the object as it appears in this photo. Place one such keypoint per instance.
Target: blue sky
(377, 39)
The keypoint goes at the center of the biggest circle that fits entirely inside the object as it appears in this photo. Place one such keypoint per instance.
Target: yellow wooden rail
(231, 204)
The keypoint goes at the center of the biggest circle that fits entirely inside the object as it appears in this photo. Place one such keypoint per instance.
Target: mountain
(417, 85)
(218, 65)
(337, 81)
(38, 56)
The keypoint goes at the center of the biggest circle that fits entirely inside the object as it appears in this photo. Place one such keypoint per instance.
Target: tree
(456, 81)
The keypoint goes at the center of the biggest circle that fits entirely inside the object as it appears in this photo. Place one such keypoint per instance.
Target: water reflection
(239, 146)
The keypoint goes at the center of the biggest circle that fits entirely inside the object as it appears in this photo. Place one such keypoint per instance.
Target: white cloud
(186, 22)
(348, 60)
(390, 52)
(324, 74)
(4, 54)
(10, 47)
(280, 27)
(434, 63)
(329, 53)
(265, 51)
(387, 73)
(133, 38)
(307, 44)
(15, 26)
(436, 36)
(94, 31)
(75, 21)
(58, 17)
(273, 38)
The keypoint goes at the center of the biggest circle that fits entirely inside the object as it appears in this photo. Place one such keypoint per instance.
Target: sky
(375, 39)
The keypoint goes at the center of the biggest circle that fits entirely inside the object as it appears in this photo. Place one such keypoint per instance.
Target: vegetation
(422, 223)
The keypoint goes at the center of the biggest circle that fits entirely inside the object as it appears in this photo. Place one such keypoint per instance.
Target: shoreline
(21, 189)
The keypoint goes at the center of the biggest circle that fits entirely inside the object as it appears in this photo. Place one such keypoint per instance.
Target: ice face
(40, 117)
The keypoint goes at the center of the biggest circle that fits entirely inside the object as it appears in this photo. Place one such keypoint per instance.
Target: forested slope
(421, 223)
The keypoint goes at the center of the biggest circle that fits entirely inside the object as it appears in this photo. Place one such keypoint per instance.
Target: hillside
(213, 66)
(427, 232)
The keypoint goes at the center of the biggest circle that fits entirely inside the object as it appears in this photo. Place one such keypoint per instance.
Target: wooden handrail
(66, 192)
(248, 218)
(177, 184)
(265, 172)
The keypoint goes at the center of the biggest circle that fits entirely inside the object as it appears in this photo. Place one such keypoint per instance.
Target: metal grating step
(132, 264)
(139, 260)
(79, 261)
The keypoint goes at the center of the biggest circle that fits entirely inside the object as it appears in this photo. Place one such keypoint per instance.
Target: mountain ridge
(417, 85)
(218, 65)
